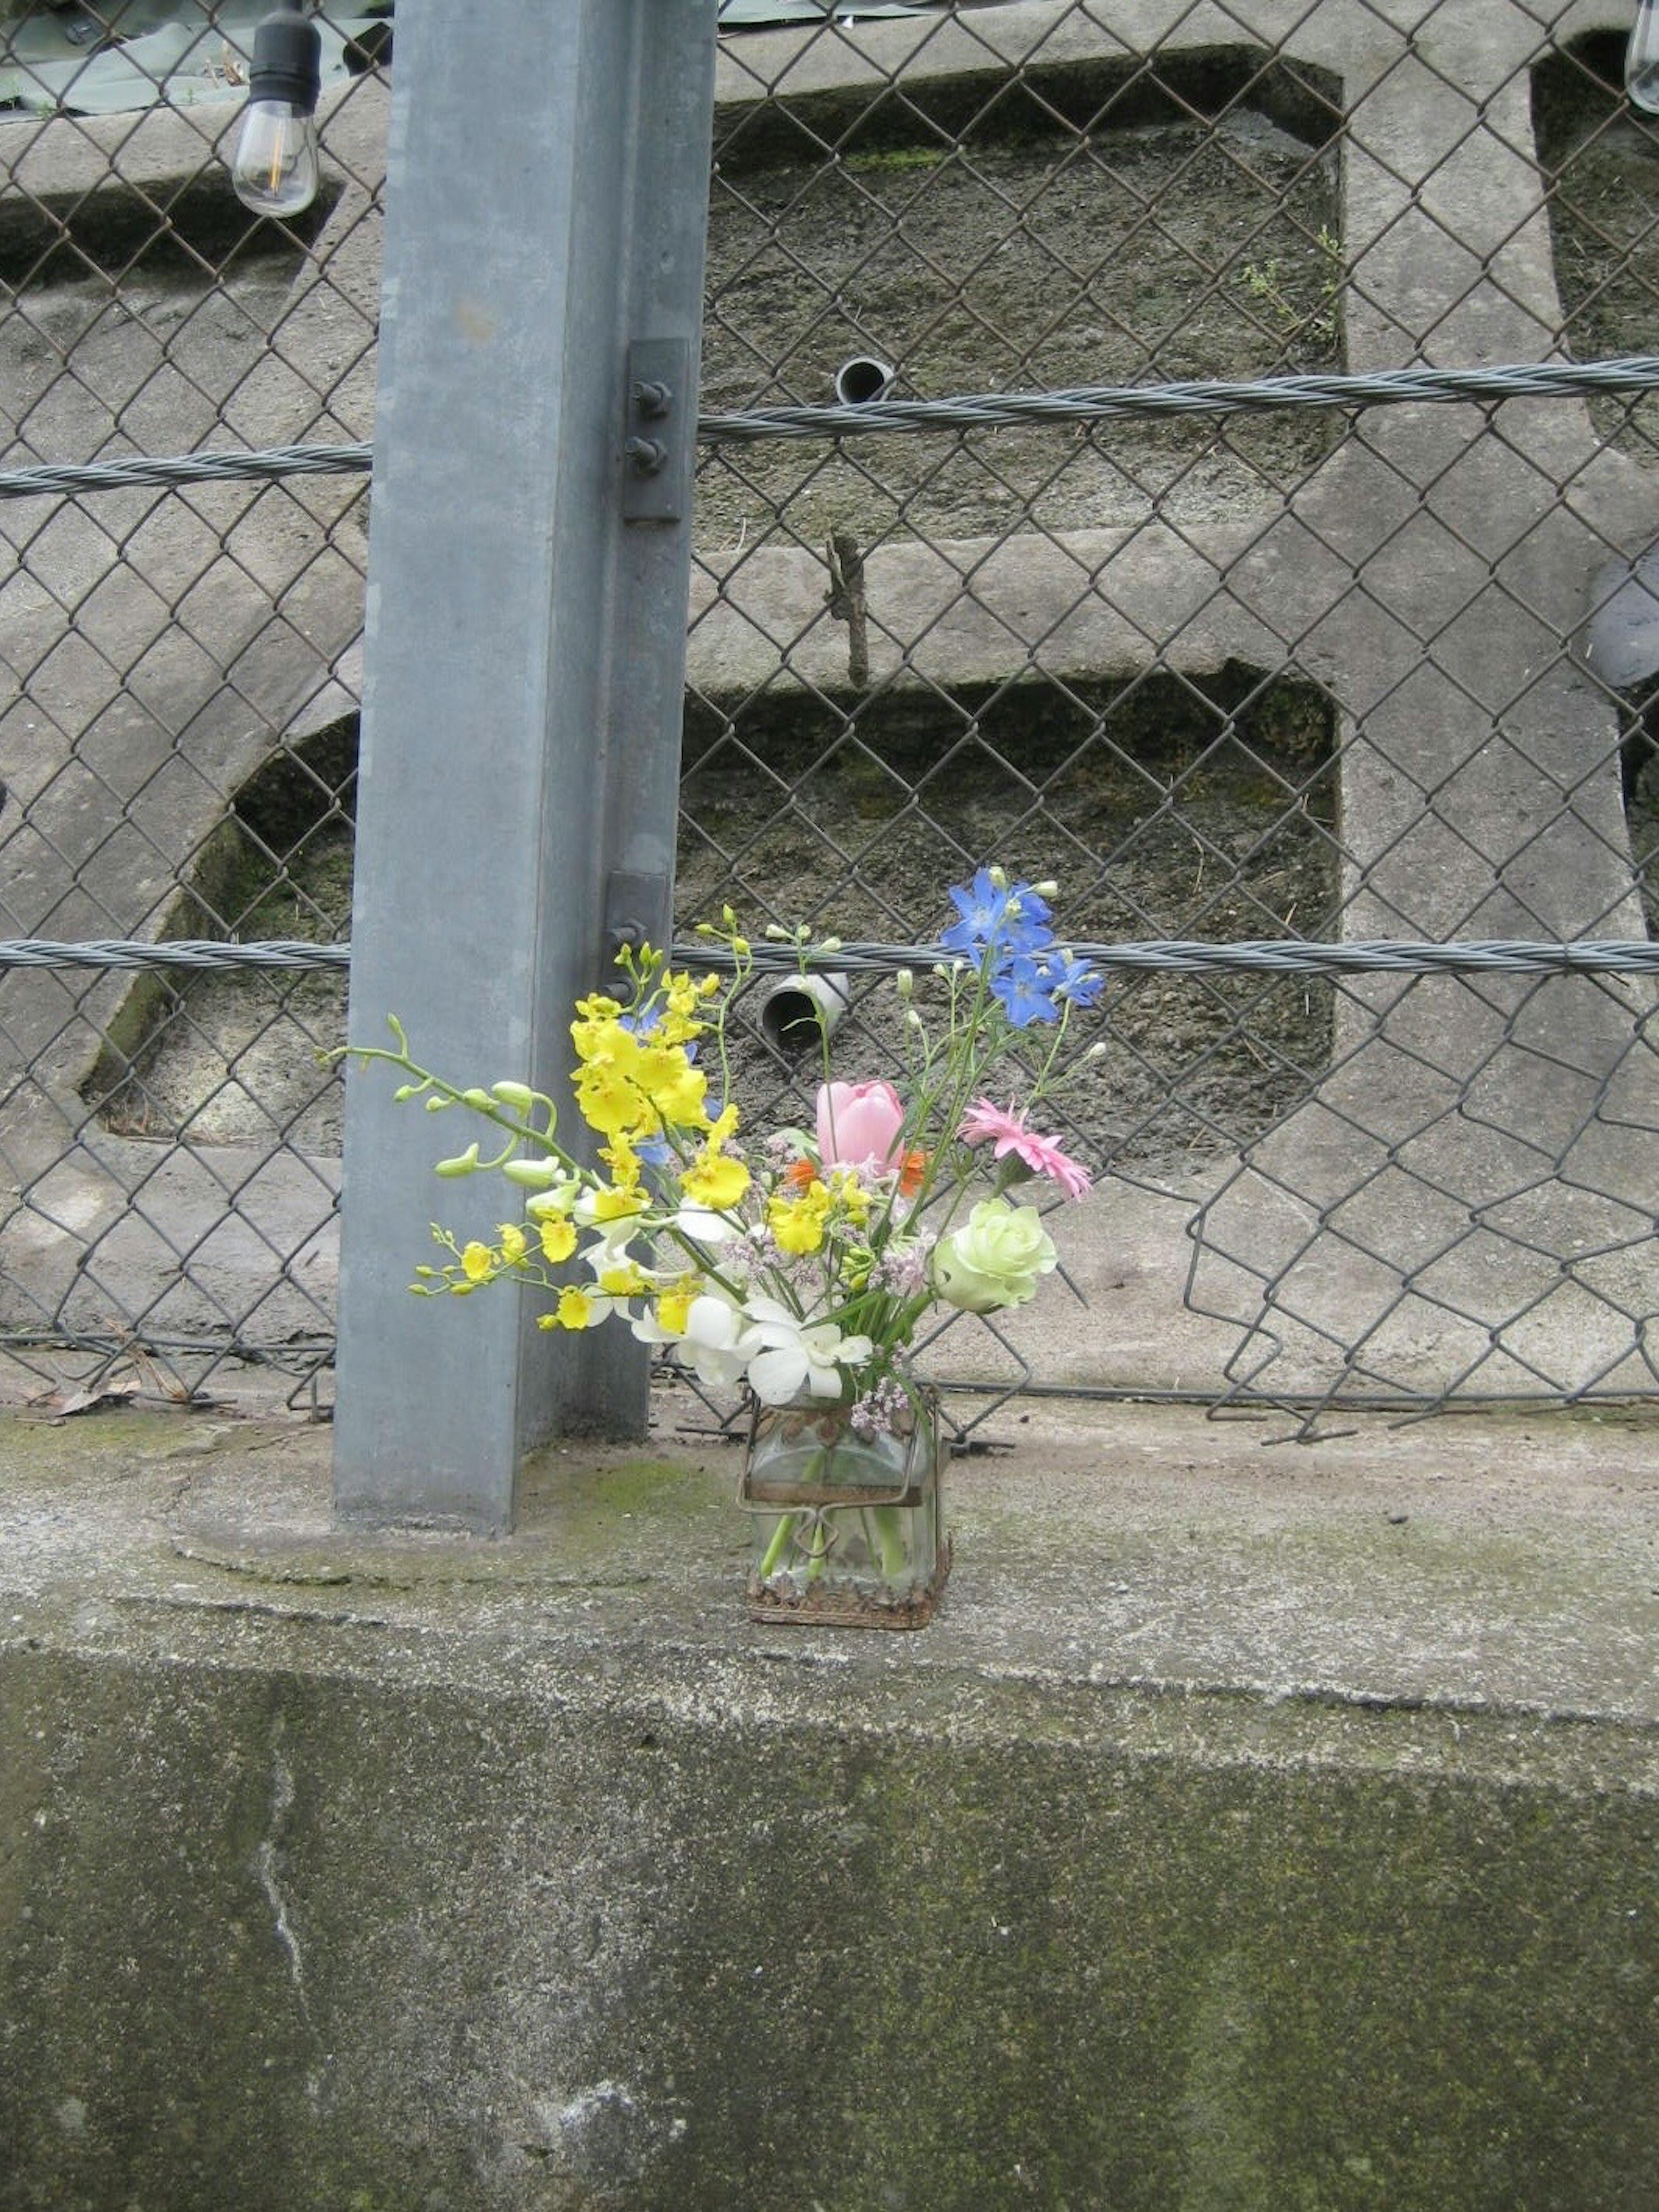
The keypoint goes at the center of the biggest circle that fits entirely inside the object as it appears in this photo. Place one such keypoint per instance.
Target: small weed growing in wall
(1261, 281)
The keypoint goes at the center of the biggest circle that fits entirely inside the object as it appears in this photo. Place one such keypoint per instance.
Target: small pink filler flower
(1009, 1134)
(859, 1125)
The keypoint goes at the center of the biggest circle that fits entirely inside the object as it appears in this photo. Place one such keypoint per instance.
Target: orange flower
(801, 1175)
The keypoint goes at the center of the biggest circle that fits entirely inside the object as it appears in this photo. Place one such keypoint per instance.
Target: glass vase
(846, 1528)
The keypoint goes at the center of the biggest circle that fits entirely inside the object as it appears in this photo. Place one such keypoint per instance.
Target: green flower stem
(969, 1076)
(890, 1545)
(515, 1126)
(818, 1552)
(522, 1132)
(743, 962)
(1041, 1086)
(775, 1549)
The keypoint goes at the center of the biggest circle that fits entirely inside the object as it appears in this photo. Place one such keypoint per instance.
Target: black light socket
(287, 51)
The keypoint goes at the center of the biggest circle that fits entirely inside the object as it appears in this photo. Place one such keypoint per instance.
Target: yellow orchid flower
(576, 1309)
(558, 1238)
(715, 1179)
(609, 1100)
(796, 1223)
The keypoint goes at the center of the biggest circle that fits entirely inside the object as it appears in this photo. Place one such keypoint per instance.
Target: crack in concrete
(266, 1866)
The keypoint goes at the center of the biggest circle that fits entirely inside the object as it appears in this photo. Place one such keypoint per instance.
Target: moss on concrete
(299, 1943)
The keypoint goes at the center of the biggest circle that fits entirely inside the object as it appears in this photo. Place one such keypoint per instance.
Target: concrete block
(1258, 1825)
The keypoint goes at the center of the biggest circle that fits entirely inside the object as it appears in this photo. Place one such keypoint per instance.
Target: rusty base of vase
(848, 1609)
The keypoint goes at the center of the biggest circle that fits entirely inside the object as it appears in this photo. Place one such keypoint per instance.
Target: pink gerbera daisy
(1008, 1131)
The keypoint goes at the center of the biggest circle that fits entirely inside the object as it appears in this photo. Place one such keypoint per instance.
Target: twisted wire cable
(181, 469)
(1555, 380)
(1207, 396)
(1268, 956)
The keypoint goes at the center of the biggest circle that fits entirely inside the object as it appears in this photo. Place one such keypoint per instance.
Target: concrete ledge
(1261, 1826)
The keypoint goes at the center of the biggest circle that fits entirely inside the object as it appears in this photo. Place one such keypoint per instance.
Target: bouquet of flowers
(799, 1264)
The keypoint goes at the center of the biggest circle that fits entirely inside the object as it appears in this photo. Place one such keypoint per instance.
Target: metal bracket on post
(636, 912)
(658, 432)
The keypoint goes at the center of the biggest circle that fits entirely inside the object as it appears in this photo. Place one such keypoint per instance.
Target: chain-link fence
(177, 741)
(1316, 673)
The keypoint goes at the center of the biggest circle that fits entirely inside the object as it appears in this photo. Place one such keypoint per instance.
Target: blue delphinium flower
(1071, 979)
(996, 917)
(1021, 984)
(1031, 911)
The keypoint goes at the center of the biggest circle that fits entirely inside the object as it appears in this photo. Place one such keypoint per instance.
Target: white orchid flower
(718, 1340)
(701, 1225)
(796, 1357)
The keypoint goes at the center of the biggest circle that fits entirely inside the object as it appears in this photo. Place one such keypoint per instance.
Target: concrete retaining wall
(1257, 1829)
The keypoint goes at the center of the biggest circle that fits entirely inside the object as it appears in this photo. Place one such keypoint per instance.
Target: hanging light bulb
(274, 168)
(1642, 59)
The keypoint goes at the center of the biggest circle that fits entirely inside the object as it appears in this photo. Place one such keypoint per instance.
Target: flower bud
(463, 1164)
(532, 1174)
(829, 944)
(999, 877)
(904, 982)
(478, 1099)
(519, 1096)
(1048, 889)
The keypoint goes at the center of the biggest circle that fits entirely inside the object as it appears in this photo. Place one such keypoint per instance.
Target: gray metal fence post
(526, 640)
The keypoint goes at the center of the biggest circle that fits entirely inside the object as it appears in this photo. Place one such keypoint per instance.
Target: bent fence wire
(1252, 532)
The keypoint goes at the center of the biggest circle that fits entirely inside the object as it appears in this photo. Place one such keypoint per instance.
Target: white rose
(995, 1259)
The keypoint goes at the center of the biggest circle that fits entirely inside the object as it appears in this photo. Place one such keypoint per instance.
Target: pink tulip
(859, 1125)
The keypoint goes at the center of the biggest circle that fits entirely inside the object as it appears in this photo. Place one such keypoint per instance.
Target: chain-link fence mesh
(1340, 675)
(177, 743)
